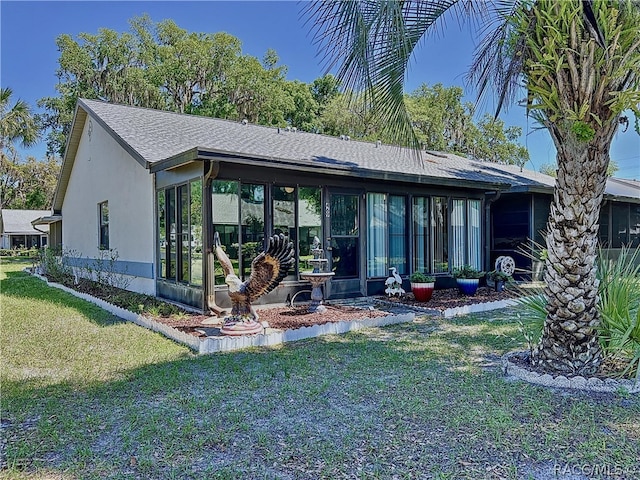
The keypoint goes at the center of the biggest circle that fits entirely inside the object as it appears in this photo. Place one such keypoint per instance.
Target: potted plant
(422, 286)
(468, 279)
(499, 279)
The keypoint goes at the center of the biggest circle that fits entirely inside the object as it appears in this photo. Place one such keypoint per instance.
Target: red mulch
(284, 318)
(452, 298)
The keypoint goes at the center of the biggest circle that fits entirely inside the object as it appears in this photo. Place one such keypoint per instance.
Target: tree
(17, 124)
(443, 123)
(27, 185)
(579, 62)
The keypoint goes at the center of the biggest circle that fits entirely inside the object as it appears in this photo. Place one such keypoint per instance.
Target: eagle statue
(267, 271)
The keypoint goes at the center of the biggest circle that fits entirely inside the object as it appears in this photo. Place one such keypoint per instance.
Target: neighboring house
(16, 230)
(156, 185)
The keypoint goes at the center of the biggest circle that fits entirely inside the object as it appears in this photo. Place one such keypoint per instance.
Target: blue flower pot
(468, 286)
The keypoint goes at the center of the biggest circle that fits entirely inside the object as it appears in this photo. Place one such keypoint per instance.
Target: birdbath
(317, 277)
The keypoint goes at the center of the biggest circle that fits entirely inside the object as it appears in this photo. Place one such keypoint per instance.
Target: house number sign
(327, 209)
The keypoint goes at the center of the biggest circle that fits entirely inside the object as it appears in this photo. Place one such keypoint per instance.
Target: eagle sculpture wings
(267, 271)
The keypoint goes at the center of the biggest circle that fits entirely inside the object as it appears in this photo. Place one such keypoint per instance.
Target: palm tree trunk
(569, 342)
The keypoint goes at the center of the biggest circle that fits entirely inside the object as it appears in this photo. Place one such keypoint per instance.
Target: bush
(419, 277)
(467, 271)
(619, 303)
(51, 263)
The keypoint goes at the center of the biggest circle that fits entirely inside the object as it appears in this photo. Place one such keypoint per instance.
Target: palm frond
(498, 61)
(370, 42)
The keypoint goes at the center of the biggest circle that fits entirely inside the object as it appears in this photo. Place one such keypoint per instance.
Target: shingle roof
(158, 135)
(154, 137)
(19, 221)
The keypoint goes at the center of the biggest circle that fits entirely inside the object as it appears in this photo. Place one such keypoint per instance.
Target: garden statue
(267, 271)
(394, 284)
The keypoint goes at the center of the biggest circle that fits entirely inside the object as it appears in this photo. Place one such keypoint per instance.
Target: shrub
(619, 300)
(419, 277)
(467, 271)
(51, 262)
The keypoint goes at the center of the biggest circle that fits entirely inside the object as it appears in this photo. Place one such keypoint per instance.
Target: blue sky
(29, 55)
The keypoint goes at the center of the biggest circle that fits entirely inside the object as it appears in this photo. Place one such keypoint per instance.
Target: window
(309, 223)
(284, 216)
(386, 234)
(179, 211)
(421, 234)
(439, 234)
(619, 225)
(238, 215)
(252, 224)
(226, 218)
(474, 234)
(377, 235)
(103, 220)
(458, 233)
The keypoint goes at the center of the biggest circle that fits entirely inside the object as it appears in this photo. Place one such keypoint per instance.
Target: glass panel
(171, 222)
(252, 216)
(344, 215)
(309, 223)
(376, 235)
(104, 225)
(603, 229)
(619, 225)
(162, 235)
(284, 216)
(345, 257)
(183, 234)
(397, 233)
(474, 243)
(439, 226)
(421, 234)
(196, 232)
(634, 230)
(344, 236)
(225, 218)
(458, 240)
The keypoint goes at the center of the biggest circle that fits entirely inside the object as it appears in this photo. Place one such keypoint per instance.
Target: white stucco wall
(104, 171)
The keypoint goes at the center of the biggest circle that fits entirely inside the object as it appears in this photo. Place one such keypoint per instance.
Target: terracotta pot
(468, 286)
(422, 291)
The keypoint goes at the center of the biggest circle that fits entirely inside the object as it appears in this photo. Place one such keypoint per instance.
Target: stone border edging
(591, 384)
(227, 344)
(276, 337)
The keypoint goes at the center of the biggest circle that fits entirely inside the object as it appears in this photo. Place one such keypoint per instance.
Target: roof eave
(309, 166)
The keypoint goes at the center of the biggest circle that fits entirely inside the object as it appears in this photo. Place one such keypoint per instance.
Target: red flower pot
(422, 291)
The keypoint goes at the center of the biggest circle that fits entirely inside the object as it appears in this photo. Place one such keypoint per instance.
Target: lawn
(85, 395)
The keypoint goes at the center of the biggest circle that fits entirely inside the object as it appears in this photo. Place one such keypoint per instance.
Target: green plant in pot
(422, 286)
(468, 279)
(500, 279)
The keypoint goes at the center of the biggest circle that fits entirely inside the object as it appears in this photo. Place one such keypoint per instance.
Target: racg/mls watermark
(592, 471)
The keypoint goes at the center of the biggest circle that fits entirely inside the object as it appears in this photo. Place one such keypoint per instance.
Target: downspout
(490, 197)
(211, 172)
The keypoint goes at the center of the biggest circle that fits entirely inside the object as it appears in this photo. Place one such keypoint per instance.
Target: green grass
(87, 396)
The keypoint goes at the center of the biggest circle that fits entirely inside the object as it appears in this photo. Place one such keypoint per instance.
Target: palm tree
(16, 123)
(579, 62)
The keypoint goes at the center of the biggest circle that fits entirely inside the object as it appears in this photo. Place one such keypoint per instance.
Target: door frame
(351, 287)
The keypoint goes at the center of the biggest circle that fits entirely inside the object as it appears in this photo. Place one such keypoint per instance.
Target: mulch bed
(452, 298)
(286, 318)
(282, 318)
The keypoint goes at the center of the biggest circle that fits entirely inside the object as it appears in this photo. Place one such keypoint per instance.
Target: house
(16, 230)
(156, 185)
